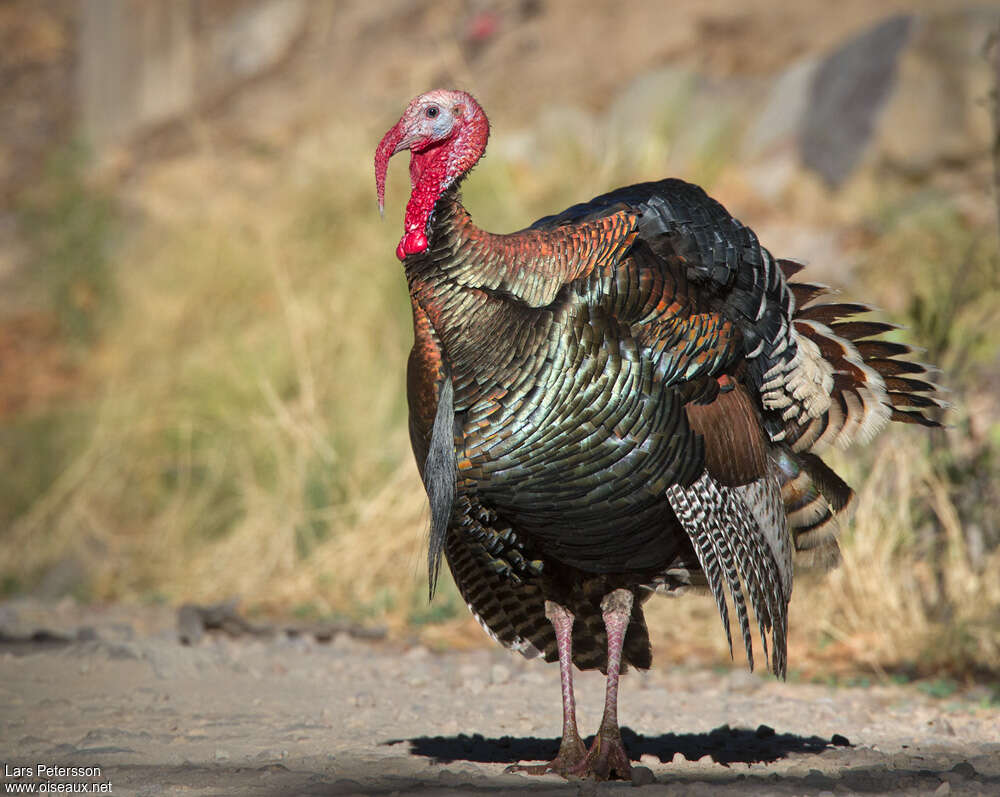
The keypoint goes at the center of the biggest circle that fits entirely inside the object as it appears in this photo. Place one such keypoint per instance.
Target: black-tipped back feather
(740, 537)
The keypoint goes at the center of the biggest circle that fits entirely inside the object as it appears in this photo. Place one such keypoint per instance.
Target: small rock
(965, 769)
(742, 681)
(944, 788)
(815, 778)
(345, 643)
(31, 740)
(268, 769)
(122, 651)
(764, 732)
(86, 633)
(417, 653)
(190, 628)
(642, 776)
(448, 778)
(122, 630)
(499, 674)
(221, 755)
(840, 741)
(978, 694)
(474, 685)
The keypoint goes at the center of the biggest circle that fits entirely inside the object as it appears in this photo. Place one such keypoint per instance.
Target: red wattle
(411, 244)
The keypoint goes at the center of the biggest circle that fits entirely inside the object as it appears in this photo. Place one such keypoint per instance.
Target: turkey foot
(606, 759)
(571, 755)
(607, 754)
(571, 748)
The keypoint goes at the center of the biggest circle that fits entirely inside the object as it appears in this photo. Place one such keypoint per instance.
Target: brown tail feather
(871, 382)
(804, 292)
(790, 267)
(854, 330)
(829, 313)
(814, 498)
(913, 416)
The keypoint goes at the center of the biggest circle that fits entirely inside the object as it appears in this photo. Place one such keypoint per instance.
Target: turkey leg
(571, 748)
(607, 754)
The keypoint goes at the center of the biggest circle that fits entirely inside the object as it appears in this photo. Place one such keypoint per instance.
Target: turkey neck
(451, 235)
(470, 324)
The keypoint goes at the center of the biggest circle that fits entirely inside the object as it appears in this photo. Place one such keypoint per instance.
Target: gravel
(270, 715)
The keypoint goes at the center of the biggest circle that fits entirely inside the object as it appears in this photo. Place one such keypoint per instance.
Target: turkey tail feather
(844, 386)
(870, 382)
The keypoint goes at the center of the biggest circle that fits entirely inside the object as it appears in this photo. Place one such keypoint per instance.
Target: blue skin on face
(442, 124)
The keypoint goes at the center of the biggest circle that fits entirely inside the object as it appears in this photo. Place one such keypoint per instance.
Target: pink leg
(571, 748)
(607, 754)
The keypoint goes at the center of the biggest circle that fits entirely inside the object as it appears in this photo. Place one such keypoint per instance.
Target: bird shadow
(724, 745)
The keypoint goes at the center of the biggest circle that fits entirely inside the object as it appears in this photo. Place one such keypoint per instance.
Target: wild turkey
(625, 398)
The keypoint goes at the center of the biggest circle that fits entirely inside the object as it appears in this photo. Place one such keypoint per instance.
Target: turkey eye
(431, 112)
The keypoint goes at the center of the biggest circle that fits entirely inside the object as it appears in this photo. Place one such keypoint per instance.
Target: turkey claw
(569, 758)
(605, 760)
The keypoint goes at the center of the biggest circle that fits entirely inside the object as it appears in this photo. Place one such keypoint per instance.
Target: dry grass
(250, 439)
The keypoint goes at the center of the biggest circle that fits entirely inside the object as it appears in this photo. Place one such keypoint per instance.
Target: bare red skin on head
(434, 165)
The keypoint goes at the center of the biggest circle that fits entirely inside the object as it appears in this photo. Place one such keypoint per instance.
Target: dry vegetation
(240, 425)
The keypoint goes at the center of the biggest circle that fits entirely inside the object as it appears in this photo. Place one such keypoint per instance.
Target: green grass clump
(69, 225)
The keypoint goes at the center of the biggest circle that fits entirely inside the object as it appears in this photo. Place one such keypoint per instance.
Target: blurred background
(203, 327)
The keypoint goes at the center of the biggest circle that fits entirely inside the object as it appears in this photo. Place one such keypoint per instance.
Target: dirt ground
(289, 715)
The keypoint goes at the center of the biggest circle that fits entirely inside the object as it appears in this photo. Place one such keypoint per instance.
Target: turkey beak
(391, 143)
